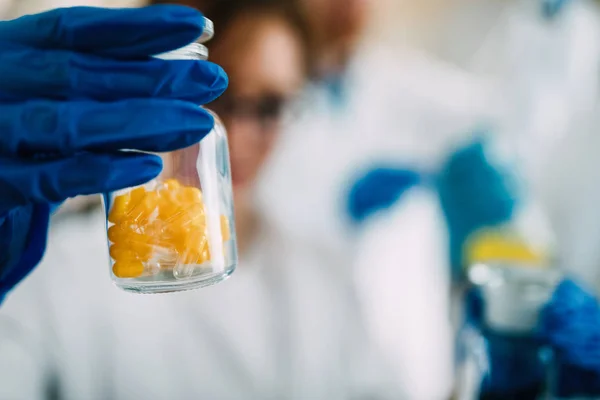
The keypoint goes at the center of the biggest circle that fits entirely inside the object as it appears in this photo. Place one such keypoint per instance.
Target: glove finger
(59, 129)
(60, 75)
(120, 33)
(49, 181)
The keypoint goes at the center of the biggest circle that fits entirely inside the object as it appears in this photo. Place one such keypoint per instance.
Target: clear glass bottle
(176, 232)
(501, 355)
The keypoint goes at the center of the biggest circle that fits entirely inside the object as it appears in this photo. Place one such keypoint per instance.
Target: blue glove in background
(570, 322)
(378, 189)
(474, 194)
(78, 85)
(551, 8)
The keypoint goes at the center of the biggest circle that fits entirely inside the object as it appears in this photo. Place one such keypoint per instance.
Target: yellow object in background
(166, 225)
(492, 246)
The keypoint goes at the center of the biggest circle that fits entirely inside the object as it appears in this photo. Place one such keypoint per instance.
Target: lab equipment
(504, 356)
(176, 232)
(570, 323)
(64, 123)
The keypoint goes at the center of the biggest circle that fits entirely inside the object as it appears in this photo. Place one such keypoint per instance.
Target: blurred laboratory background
(416, 191)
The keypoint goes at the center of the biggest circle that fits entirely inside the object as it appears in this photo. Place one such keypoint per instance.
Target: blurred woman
(285, 326)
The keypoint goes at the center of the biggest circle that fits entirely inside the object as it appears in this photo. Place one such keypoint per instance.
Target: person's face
(265, 62)
(338, 22)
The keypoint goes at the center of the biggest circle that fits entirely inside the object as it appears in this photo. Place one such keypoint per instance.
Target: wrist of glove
(23, 233)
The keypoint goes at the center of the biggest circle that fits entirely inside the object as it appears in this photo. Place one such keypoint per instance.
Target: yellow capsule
(179, 240)
(196, 248)
(150, 202)
(166, 209)
(120, 252)
(128, 269)
(186, 218)
(196, 216)
(190, 195)
(172, 185)
(196, 241)
(118, 233)
(137, 195)
(120, 207)
(142, 212)
(225, 229)
(153, 231)
(143, 251)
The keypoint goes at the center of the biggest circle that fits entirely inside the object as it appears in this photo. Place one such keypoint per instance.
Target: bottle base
(164, 286)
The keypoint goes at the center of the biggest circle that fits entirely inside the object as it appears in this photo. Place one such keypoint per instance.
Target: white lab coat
(402, 109)
(290, 323)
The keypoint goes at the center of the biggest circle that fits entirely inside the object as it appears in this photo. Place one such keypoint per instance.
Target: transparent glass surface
(499, 366)
(176, 232)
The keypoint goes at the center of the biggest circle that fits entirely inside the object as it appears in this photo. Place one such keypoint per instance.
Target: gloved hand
(378, 189)
(474, 194)
(570, 323)
(78, 85)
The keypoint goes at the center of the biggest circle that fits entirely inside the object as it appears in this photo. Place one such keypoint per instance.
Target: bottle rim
(195, 50)
(208, 32)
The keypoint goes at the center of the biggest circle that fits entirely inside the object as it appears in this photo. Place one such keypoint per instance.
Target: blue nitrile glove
(78, 85)
(551, 8)
(474, 194)
(571, 324)
(378, 189)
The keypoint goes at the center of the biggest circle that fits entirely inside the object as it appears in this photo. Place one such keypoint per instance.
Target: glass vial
(501, 355)
(176, 232)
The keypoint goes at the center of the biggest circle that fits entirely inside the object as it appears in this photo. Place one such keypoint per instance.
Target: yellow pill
(153, 230)
(117, 233)
(225, 229)
(128, 269)
(196, 241)
(143, 251)
(120, 252)
(185, 218)
(137, 195)
(196, 250)
(167, 208)
(196, 216)
(179, 240)
(120, 207)
(190, 195)
(172, 185)
(142, 212)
